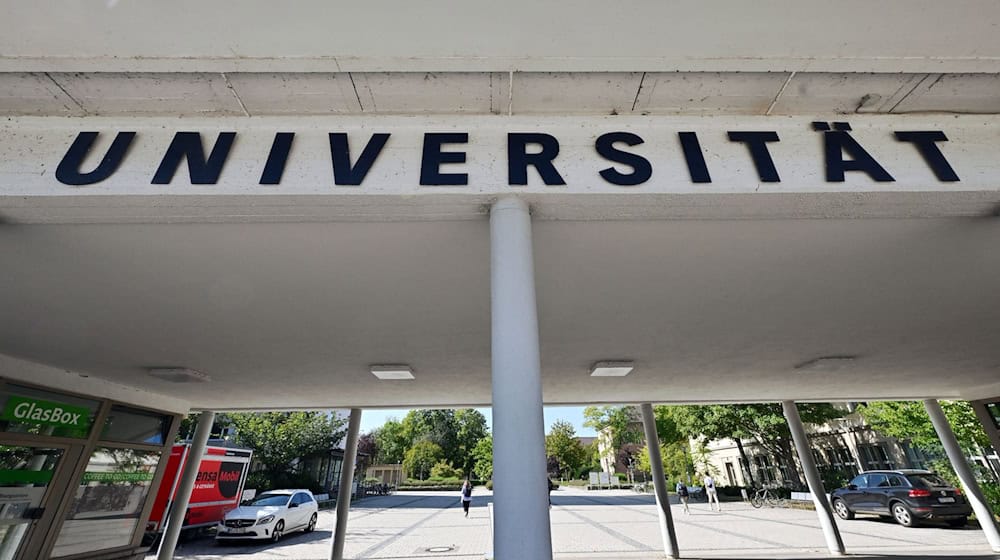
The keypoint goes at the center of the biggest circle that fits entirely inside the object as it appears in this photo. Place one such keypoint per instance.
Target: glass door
(27, 474)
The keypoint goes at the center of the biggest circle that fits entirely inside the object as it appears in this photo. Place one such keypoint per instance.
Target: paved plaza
(598, 525)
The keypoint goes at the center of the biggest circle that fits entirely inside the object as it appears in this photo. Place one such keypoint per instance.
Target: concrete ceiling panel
(34, 93)
(605, 93)
(292, 315)
(176, 94)
(430, 92)
(708, 93)
(295, 93)
(954, 93)
(844, 93)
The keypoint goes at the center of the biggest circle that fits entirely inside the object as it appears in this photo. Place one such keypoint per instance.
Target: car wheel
(841, 508)
(312, 523)
(960, 522)
(278, 530)
(902, 515)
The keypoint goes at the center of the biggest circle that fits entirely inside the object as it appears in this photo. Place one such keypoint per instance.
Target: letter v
(340, 154)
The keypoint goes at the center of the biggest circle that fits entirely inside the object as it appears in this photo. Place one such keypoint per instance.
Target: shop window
(108, 501)
(34, 411)
(129, 425)
(994, 410)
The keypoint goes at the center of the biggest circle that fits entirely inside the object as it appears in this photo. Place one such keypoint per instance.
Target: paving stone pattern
(609, 524)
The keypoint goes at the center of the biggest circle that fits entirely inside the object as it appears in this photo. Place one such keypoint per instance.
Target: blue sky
(371, 419)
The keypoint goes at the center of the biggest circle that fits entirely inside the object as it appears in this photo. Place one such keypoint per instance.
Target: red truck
(221, 475)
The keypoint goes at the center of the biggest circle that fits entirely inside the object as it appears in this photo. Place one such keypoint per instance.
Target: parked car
(907, 496)
(270, 515)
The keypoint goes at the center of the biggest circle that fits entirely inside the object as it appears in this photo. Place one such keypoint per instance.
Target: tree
(421, 458)
(764, 423)
(391, 442)
(677, 464)
(470, 430)
(908, 421)
(367, 450)
(444, 469)
(564, 448)
(625, 423)
(281, 439)
(482, 455)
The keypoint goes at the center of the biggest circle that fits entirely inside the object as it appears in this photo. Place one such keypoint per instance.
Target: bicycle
(641, 488)
(765, 497)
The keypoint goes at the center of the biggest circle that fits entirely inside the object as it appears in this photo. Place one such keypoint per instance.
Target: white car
(270, 515)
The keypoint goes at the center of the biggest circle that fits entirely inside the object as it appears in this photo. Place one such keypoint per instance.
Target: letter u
(68, 171)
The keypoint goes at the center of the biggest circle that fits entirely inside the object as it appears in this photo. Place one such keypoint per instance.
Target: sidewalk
(605, 525)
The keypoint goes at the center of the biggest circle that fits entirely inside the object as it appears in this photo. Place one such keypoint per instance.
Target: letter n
(187, 145)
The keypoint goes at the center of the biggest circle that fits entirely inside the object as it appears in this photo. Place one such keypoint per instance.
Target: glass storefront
(25, 476)
(67, 488)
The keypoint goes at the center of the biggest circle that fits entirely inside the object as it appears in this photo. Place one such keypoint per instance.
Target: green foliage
(263, 481)
(470, 430)
(421, 458)
(908, 420)
(625, 423)
(279, 439)
(834, 478)
(562, 446)
(764, 423)
(677, 463)
(391, 443)
(482, 455)
(443, 469)
(991, 490)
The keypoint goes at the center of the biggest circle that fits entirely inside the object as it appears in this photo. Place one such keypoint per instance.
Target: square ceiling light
(400, 371)
(178, 375)
(611, 369)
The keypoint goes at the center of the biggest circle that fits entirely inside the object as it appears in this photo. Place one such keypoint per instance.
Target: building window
(108, 502)
(765, 472)
(875, 457)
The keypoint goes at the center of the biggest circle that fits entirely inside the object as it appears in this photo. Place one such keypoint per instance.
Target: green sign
(21, 476)
(24, 409)
(91, 476)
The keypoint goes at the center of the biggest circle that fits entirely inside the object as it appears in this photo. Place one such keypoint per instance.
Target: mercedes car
(270, 515)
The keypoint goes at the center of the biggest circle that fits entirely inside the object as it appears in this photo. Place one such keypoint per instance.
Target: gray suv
(906, 495)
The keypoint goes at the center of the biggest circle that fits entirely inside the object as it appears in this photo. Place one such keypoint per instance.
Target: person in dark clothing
(551, 486)
(466, 496)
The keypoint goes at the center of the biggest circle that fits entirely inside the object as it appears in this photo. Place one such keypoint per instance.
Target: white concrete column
(823, 511)
(346, 482)
(520, 485)
(659, 482)
(177, 510)
(972, 490)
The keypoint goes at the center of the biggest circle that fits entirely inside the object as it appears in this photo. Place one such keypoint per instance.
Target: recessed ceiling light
(179, 375)
(398, 371)
(611, 369)
(827, 363)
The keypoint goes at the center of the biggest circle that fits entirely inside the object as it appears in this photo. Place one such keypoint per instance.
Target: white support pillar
(972, 490)
(659, 482)
(823, 511)
(177, 510)
(346, 482)
(520, 485)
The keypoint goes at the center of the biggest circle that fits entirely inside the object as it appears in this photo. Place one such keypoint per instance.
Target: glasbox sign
(23, 409)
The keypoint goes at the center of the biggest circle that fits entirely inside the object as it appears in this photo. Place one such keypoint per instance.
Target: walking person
(711, 492)
(682, 493)
(551, 486)
(466, 496)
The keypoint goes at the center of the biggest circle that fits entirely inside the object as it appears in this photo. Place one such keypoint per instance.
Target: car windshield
(927, 481)
(270, 500)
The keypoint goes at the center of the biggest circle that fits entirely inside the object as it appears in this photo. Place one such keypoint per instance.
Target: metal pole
(659, 482)
(520, 490)
(823, 511)
(175, 518)
(346, 478)
(972, 490)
